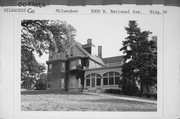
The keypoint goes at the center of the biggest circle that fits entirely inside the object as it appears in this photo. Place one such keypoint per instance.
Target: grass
(66, 101)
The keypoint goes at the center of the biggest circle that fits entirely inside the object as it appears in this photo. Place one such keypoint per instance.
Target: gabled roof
(113, 59)
(94, 58)
(79, 45)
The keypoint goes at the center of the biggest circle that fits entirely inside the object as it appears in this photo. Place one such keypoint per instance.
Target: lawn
(64, 101)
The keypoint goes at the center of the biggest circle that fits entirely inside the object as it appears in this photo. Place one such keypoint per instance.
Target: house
(83, 68)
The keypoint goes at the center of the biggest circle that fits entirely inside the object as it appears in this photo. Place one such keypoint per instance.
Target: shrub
(130, 89)
(40, 86)
(150, 95)
(114, 91)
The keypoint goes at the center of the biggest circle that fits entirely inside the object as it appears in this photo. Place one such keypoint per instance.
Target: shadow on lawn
(62, 92)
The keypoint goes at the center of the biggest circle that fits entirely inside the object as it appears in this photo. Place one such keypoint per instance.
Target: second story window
(79, 62)
(74, 64)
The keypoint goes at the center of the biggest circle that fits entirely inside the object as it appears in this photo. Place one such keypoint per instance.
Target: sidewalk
(122, 97)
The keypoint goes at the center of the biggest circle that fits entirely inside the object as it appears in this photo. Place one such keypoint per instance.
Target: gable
(76, 51)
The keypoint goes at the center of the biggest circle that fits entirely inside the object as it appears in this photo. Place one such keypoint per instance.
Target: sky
(108, 30)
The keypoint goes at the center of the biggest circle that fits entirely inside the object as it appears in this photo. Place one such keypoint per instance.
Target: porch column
(95, 79)
(84, 82)
(101, 82)
(90, 81)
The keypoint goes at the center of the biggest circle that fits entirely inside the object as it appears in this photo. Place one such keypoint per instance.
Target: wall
(74, 84)
(57, 84)
(76, 51)
(56, 74)
(101, 71)
(93, 64)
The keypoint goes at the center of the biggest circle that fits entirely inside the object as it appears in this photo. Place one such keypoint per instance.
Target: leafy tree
(140, 59)
(42, 36)
(42, 83)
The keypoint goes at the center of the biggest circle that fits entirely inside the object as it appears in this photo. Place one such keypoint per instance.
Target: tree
(42, 83)
(140, 59)
(42, 36)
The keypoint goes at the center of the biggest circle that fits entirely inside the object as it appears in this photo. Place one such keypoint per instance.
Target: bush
(40, 86)
(150, 95)
(130, 89)
(114, 91)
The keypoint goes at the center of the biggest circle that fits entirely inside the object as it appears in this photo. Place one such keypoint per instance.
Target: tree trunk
(141, 88)
(141, 85)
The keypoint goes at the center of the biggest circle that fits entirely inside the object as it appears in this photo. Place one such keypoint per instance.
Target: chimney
(100, 51)
(89, 41)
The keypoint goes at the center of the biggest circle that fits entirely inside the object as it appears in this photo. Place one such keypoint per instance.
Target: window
(105, 81)
(105, 75)
(111, 73)
(73, 64)
(111, 78)
(79, 62)
(98, 81)
(93, 79)
(93, 75)
(88, 76)
(87, 82)
(117, 74)
(117, 80)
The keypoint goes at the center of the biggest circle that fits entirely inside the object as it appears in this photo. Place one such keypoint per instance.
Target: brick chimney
(100, 51)
(89, 41)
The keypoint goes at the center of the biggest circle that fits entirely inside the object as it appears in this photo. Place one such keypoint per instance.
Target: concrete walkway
(122, 97)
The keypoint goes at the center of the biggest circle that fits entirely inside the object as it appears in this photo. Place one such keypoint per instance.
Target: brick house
(83, 66)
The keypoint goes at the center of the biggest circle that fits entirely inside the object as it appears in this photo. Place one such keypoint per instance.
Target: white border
(54, 114)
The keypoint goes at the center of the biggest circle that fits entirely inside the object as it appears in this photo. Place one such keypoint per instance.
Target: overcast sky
(108, 30)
